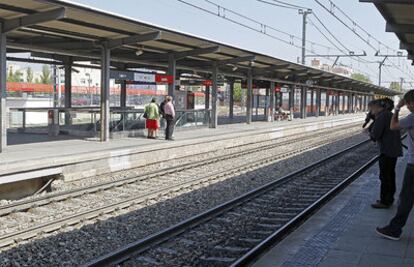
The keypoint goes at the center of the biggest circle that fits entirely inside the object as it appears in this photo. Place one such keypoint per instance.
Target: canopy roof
(64, 31)
(399, 15)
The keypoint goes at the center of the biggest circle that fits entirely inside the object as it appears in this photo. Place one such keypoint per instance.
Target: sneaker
(379, 205)
(387, 233)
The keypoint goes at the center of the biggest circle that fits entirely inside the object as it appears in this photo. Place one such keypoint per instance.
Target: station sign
(146, 78)
(208, 83)
(140, 77)
(163, 78)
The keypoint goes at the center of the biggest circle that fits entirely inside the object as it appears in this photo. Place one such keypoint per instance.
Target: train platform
(342, 233)
(76, 159)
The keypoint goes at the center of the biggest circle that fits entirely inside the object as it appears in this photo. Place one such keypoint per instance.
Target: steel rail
(24, 234)
(126, 252)
(61, 196)
(277, 236)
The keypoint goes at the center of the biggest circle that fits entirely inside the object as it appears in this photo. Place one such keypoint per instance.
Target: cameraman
(369, 116)
(389, 142)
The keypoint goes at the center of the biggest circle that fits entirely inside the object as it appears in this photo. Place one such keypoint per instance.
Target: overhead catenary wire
(346, 25)
(278, 5)
(354, 23)
(262, 29)
(263, 26)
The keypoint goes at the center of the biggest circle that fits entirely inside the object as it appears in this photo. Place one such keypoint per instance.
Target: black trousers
(406, 201)
(169, 129)
(387, 177)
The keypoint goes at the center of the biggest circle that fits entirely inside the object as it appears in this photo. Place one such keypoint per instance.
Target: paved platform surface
(343, 234)
(42, 148)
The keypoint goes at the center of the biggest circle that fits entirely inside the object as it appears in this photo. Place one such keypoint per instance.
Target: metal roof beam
(297, 71)
(236, 60)
(399, 28)
(387, 1)
(196, 52)
(12, 24)
(180, 55)
(406, 46)
(139, 38)
(276, 67)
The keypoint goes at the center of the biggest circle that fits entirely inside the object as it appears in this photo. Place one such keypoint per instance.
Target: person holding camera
(390, 148)
(405, 204)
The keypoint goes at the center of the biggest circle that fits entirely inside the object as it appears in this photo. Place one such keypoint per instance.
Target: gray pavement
(342, 233)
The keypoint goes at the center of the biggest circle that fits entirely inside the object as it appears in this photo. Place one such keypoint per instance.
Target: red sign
(163, 78)
(208, 83)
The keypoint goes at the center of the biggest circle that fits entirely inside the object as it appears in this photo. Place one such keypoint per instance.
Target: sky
(177, 15)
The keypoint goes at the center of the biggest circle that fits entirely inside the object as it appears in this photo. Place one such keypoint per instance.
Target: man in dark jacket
(389, 142)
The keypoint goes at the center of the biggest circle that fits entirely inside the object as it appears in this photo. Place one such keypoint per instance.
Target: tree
(14, 76)
(361, 77)
(395, 86)
(10, 76)
(18, 76)
(237, 93)
(46, 76)
(29, 75)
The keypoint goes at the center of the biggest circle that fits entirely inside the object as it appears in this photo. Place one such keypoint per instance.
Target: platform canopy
(65, 31)
(399, 15)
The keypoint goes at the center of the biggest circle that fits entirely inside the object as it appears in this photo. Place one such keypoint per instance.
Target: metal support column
(123, 94)
(172, 70)
(231, 100)
(327, 104)
(304, 95)
(352, 103)
(292, 99)
(343, 103)
(318, 102)
(312, 100)
(68, 91)
(337, 103)
(271, 111)
(3, 77)
(207, 98)
(365, 103)
(105, 109)
(266, 107)
(214, 117)
(249, 96)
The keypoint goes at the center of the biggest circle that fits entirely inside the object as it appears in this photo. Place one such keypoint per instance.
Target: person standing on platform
(162, 113)
(389, 142)
(152, 116)
(394, 229)
(169, 115)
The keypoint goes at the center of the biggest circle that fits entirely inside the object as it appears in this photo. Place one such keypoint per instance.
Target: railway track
(153, 191)
(236, 232)
(35, 202)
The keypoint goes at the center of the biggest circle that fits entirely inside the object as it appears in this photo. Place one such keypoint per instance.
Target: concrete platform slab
(81, 158)
(342, 233)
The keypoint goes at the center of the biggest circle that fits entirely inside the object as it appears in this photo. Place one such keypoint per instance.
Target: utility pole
(304, 13)
(401, 83)
(381, 63)
(351, 54)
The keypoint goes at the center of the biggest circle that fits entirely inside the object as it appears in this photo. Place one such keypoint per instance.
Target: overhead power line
(346, 25)
(262, 27)
(278, 5)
